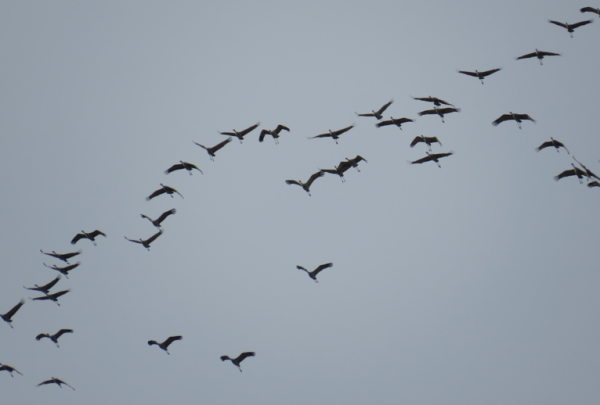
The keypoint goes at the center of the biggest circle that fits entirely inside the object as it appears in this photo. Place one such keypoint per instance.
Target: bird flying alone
(439, 111)
(165, 345)
(56, 381)
(183, 165)
(333, 134)
(64, 270)
(479, 75)
(432, 157)
(146, 243)
(62, 256)
(571, 27)
(436, 101)
(377, 114)
(52, 297)
(512, 116)
(164, 189)
(7, 317)
(6, 367)
(159, 220)
(274, 133)
(425, 139)
(393, 121)
(240, 135)
(552, 142)
(590, 10)
(238, 359)
(538, 54)
(54, 337)
(313, 274)
(84, 235)
(306, 186)
(211, 151)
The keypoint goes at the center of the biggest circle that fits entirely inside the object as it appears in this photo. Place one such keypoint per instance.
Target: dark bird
(588, 172)
(63, 270)
(52, 297)
(436, 101)
(163, 216)
(6, 367)
(183, 165)
(7, 317)
(552, 142)
(214, 149)
(62, 256)
(274, 133)
(590, 10)
(339, 170)
(377, 114)
(439, 111)
(512, 116)
(393, 121)
(593, 184)
(313, 274)
(479, 75)
(56, 381)
(354, 162)
(45, 288)
(571, 27)
(432, 157)
(54, 337)
(333, 134)
(240, 135)
(427, 140)
(146, 243)
(238, 359)
(164, 189)
(164, 345)
(306, 186)
(91, 236)
(575, 171)
(538, 54)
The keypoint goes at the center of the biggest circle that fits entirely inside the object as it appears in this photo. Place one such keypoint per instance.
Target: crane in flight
(538, 54)
(512, 116)
(552, 142)
(306, 186)
(571, 27)
(240, 135)
(313, 274)
(377, 114)
(45, 288)
(333, 134)
(590, 10)
(425, 139)
(432, 157)
(478, 74)
(439, 111)
(274, 133)
(63, 270)
(436, 101)
(54, 337)
(84, 235)
(165, 345)
(394, 121)
(162, 190)
(211, 151)
(52, 297)
(62, 256)
(7, 317)
(238, 359)
(156, 222)
(575, 171)
(6, 367)
(183, 165)
(56, 381)
(146, 243)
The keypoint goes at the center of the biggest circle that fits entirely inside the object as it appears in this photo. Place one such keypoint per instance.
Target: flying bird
(427, 140)
(571, 27)
(214, 149)
(63, 270)
(339, 170)
(333, 134)
(52, 297)
(164, 189)
(354, 162)
(274, 133)
(54, 337)
(512, 116)
(550, 143)
(164, 345)
(479, 75)
(62, 256)
(377, 114)
(575, 171)
(183, 165)
(45, 288)
(313, 274)
(146, 243)
(436, 101)
(238, 359)
(56, 381)
(159, 220)
(538, 54)
(91, 236)
(590, 10)
(240, 135)
(593, 184)
(432, 157)
(6, 367)
(393, 121)
(7, 317)
(588, 172)
(439, 111)
(306, 186)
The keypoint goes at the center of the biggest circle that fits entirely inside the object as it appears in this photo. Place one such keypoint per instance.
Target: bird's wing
(301, 268)
(247, 130)
(524, 117)
(433, 139)
(41, 336)
(358, 158)
(76, 238)
(468, 73)
(580, 23)
(404, 120)
(42, 298)
(442, 101)
(293, 182)
(489, 72)
(153, 237)
(594, 184)
(156, 193)
(544, 145)
(202, 146)
(416, 141)
(321, 267)
(165, 215)
(558, 23)
(229, 133)
(529, 55)
(427, 112)
(69, 268)
(131, 240)
(243, 356)
(590, 9)
(332, 171)
(14, 309)
(345, 165)
(566, 173)
(384, 123)
(422, 160)
(178, 166)
(96, 233)
(279, 128)
(219, 146)
(441, 155)
(385, 106)
(46, 382)
(262, 135)
(57, 294)
(51, 267)
(365, 115)
(548, 53)
(62, 332)
(341, 131)
(502, 118)
(313, 178)
(320, 136)
(69, 255)
(448, 110)
(170, 340)
(421, 98)
(50, 284)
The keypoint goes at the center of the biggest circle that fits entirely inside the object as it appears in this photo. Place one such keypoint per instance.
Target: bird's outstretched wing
(293, 182)
(321, 267)
(131, 240)
(417, 140)
(219, 146)
(341, 131)
(156, 193)
(365, 115)
(280, 128)
(384, 123)
(165, 215)
(62, 332)
(385, 106)
(202, 146)
(566, 173)
(464, 72)
(580, 23)
(153, 237)
(331, 171)
(544, 145)
(591, 10)
(422, 160)
(502, 118)
(301, 268)
(489, 72)
(524, 117)
(47, 286)
(55, 295)
(428, 112)
(242, 356)
(171, 190)
(313, 178)
(170, 340)
(14, 309)
(77, 238)
(41, 336)
(249, 129)
(178, 166)
(264, 132)
(593, 184)
(528, 55)
(543, 53)
(96, 233)
(448, 110)
(559, 23)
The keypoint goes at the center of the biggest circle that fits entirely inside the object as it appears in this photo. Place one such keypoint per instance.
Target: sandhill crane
(538, 54)
(436, 101)
(56, 381)
(575, 171)
(432, 157)
(274, 133)
(313, 274)
(91, 236)
(238, 359)
(62, 256)
(590, 10)
(354, 162)
(214, 149)
(45, 288)
(164, 189)
(52, 297)
(333, 134)
(240, 135)
(63, 270)
(479, 75)
(439, 111)
(7, 317)
(588, 172)
(554, 143)
(571, 27)
(427, 140)
(339, 170)
(306, 186)
(158, 220)
(54, 337)
(6, 367)
(512, 116)
(164, 345)
(394, 121)
(593, 184)
(146, 243)
(183, 165)
(377, 114)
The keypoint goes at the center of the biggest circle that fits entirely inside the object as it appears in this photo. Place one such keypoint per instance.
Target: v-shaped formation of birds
(339, 170)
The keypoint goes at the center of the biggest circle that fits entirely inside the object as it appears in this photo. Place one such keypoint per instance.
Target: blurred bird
(554, 143)
(164, 189)
(146, 243)
(436, 101)
(183, 165)
(431, 157)
(274, 133)
(63, 270)
(439, 111)
(54, 337)
(7, 317)
(238, 359)
(354, 162)
(593, 184)
(45, 288)
(376, 114)
(56, 381)
(211, 151)
(159, 220)
(590, 10)
(306, 186)
(333, 134)
(62, 256)
(588, 172)
(240, 135)
(313, 274)
(52, 297)
(164, 345)
(571, 27)
(427, 140)
(479, 75)
(538, 54)
(575, 171)
(393, 121)
(512, 116)
(91, 236)
(6, 367)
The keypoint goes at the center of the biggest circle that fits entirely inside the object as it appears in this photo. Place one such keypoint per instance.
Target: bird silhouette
(63, 270)
(183, 165)
(56, 381)
(6, 367)
(163, 190)
(240, 135)
(146, 243)
(164, 345)
(512, 116)
(432, 157)
(162, 217)
(571, 27)
(394, 121)
(211, 151)
(439, 111)
(479, 75)
(377, 114)
(425, 139)
(62, 256)
(552, 142)
(306, 186)
(274, 133)
(52, 297)
(333, 134)
(7, 317)
(436, 101)
(84, 235)
(54, 337)
(45, 288)
(313, 274)
(538, 54)
(238, 359)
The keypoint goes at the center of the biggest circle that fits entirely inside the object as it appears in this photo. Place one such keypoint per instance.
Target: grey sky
(473, 284)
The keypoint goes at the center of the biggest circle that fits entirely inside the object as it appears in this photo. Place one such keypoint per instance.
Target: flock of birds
(440, 108)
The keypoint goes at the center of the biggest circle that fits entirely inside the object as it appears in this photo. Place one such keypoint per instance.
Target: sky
(473, 283)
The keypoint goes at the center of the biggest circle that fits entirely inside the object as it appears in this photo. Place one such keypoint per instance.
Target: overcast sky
(474, 283)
